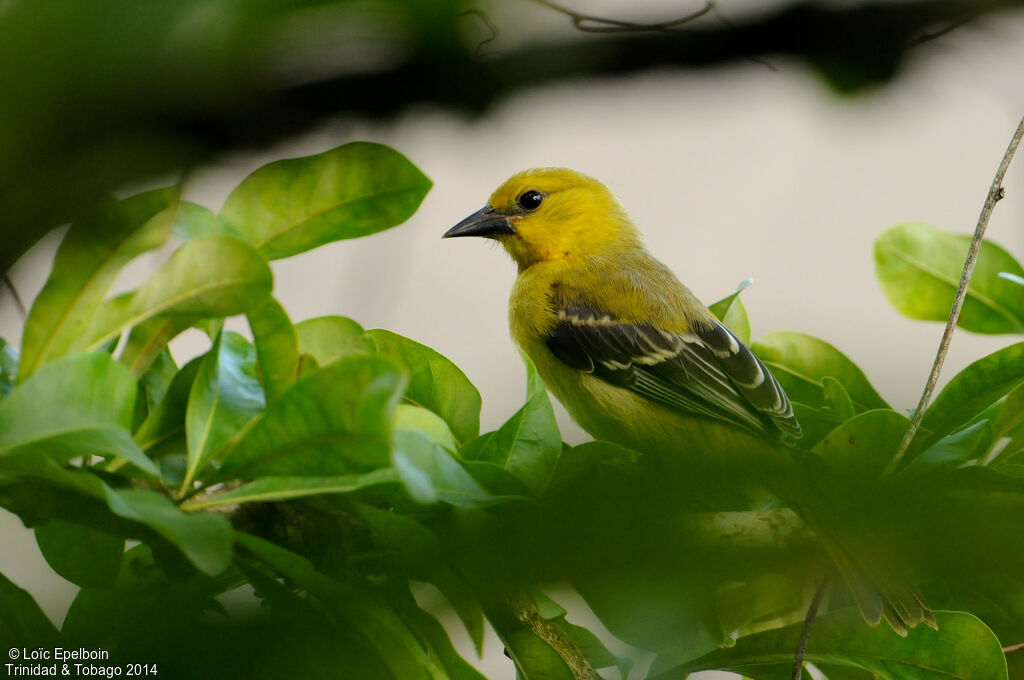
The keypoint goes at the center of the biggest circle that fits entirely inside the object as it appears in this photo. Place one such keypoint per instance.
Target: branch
(601, 25)
(1013, 648)
(525, 612)
(805, 633)
(995, 194)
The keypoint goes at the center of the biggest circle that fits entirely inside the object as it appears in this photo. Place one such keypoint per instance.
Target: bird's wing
(705, 371)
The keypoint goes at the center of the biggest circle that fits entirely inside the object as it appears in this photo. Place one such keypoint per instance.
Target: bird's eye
(530, 200)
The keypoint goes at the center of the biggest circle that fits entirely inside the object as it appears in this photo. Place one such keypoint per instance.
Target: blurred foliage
(103, 93)
(285, 495)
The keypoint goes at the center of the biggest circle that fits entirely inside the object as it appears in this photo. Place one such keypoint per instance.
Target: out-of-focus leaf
(337, 421)
(430, 474)
(269, 489)
(21, 619)
(293, 205)
(195, 221)
(529, 443)
(972, 390)
(356, 605)
(328, 338)
(156, 380)
(733, 314)
(204, 539)
(958, 447)
(147, 339)
(864, 444)
(224, 397)
(75, 406)
(211, 276)
(435, 382)
(9, 356)
(800, 361)
(88, 260)
(419, 419)
(962, 648)
(83, 555)
(1010, 417)
(276, 346)
(837, 399)
(535, 659)
(919, 268)
(595, 652)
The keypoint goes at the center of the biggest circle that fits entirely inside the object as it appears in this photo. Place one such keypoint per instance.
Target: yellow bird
(630, 352)
(638, 360)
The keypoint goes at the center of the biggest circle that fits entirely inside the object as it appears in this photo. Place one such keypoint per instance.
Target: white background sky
(735, 172)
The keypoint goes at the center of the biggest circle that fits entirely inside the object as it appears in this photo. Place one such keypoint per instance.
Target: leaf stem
(805, 633)
(1013, 648)
(995, 194)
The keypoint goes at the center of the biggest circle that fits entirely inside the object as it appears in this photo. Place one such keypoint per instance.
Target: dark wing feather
(708, 371)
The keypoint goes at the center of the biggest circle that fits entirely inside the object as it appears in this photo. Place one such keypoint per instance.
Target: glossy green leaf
(167, 421)
(730, 311)
(89, 401)
(211, 276)
(528, 444)
(155, 381)
(293, 205)
(277, 347)
(961, 446)
(435, 382)
(328, 338)
(270, 489)
(88, 260)
(9, 357)
(337, 421)
(21, 619)
(204, 539)
(972, 390)
(83, 555)
(963, 648)
(430, 474)
(919, 268)
(800, 362)
(224, 397)
(356, 605)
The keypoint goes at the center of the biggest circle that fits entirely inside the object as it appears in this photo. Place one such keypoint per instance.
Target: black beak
(484, 222)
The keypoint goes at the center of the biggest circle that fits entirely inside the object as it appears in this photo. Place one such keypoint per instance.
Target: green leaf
(328, 338)
(962, 648)
(865, 444)
(528, 444)
(83, 555)
(270, 489)
(78, 405)
(730, 311)
(430, 474)
(961, 446)
(88, 260)
(204, 539)
(800, 362)
(337, 421)
(435, 382)
(224, 397)
(148, 339)
(535, 659)
(297, 204)
(166, 422)
(419, 419)
(837, 399)
(354, 604)
(21, 619)
(919, 268)
(195, 221)
(972, 390)
(211, 276)
(9, 357)
(277, 347)
(156, 380)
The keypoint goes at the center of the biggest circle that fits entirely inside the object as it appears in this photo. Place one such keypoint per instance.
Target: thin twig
(17, 298)
(805, 633)
(592, 24)
(927, 36)
(1013, 648)
(525, 612)
(995, 193)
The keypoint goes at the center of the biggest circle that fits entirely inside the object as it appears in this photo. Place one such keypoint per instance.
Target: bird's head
(551, 214)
